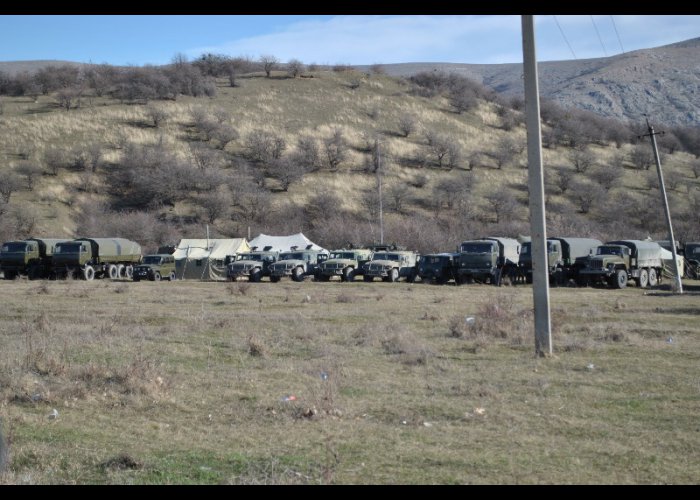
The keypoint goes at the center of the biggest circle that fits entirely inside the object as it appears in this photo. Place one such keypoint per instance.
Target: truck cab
(438, 267)
(298, 264)
(391, 266)
(254, 265)
(345, 263)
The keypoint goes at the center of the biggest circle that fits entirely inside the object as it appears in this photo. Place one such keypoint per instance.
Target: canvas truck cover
(283, 243)
(203, 259)
(573, 248)
(647, 253)
(667, 260)
(114, 249)
(510, 248)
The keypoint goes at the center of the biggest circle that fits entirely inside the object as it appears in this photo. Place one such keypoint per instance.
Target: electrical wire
(618, 35)
(599, 38)
(564, 36)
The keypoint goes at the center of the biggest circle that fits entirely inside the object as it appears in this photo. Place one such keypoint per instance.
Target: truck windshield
(692, 250)
(435, 259)
(69, 248)
(609, 251)
(152, 259)
(15, 247)
(476, 247)
(291, 256)
(249, 256)
(386, 256)
(343, 255)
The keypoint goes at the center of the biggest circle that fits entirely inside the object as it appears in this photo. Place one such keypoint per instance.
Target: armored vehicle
(31, 257)
(692, 260)
(345, 263)
(617, 262)
(486, 259)
(298, 264)
(254, 265)
(391, 266)
(155, 268)
(438, 267)
(562, 255)
(96, 258)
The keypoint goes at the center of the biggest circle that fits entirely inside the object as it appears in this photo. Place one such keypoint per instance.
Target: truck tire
(10, 275)
(112, 272)
(121, 271)
(171, 276)
(157, 276)
(274, 279)
(298, 274)
(88, 273)
(643, 279)
(368, 279)
(620, 279)
(34, 272)
(256, 275)
(393, 275)
(129, 272)
(348, 274)
(653, 277)
(412, 276)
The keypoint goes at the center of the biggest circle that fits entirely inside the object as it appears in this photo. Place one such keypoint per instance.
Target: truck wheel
(129, 272)
(10, 275)
(157, 276)
(274, 278)
(411, 277)
(121, 271)
(256, 275)
(620, 279)
(33, 272)
(298, 274)
(348, 274)
(112, 272)
(88, 273)
(393, 276)
(368, 279)
(171, 277)
(653, 278)
(643, 279)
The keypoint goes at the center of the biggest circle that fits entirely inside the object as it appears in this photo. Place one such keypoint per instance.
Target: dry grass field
(352, 383)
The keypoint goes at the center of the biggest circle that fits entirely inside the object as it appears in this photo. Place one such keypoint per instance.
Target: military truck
(298, 264)
(391, 265)
(692, 259)
(562, 255)
(91, 258)
(155, 268)
(346, 263)
(254, 264)
(30, 257)
(438, 267)
(486, 259)
(616, 262)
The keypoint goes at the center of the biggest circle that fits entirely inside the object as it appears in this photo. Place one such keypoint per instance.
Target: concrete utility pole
(538, 229)
(379, 182)
(662, 186)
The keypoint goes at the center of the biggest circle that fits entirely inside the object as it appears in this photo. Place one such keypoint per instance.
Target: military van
(391, 265)
(155, 268)
(297, 264)
(438, 268)
(253, 265)
(345, 263)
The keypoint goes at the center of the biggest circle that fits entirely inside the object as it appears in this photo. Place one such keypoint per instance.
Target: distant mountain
(663, 82)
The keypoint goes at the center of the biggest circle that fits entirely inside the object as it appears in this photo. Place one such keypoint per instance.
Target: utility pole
(538, 229)
(379, 184)
(662, 186)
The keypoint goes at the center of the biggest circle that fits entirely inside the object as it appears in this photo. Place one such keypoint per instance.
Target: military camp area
(114, 382)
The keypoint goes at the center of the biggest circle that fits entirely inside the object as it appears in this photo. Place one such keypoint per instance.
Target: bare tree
(642, 156)
(204, 156)
(268, 63)
(30, 170)
(407, 124)
(335, 148)
(377, 69)
(462, 100)
(673, 180)
(563, 179)
(156, 114)
(606, 176)
(94, 154)
(295, 68)
(438, 146)
(287, 171)
(54, 158)
(264, 146)
(581, 159)
(9, 183)
(502, 204)
(307, 154)
(69, 97)
(507, 149)
(216, 205)
(223, 134)
(398, 193)
(585, 196)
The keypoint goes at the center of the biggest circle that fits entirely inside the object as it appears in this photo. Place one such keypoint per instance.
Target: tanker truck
(90, 258)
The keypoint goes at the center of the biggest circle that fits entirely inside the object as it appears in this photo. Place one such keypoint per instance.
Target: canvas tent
(202, 259)
(283, 243)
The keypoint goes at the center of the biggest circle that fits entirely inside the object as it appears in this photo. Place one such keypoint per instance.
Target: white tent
(283, 243)
(203, 259)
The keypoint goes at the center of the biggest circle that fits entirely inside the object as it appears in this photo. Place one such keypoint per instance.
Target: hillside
(164, 170)
(663, 82)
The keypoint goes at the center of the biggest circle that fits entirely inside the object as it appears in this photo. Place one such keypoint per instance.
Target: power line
(599, 38)
(564, 36)
(618, 35)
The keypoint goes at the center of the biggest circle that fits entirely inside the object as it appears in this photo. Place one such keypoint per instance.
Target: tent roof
(217, 249)
(283, 243)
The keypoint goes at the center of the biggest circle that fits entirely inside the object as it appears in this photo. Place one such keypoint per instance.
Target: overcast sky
(351, 39)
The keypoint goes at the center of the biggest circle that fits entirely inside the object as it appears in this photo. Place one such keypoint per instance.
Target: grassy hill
(427, 206)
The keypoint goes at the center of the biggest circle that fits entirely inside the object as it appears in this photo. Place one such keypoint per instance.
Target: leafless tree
(407, 124)
(295, 68)
(216, 205)
(507, 149)
(9, 183)
(306, 153)
(30, 170)
(673, 180)
(69, 97)
(204, 156)
(563, 179)
(377, 69)
(94, 154)
(54, 158)
(263, 146)
(398, 193)
(606, 176)
(286, 170)
(585, 195)
(642, 156)
(268, 63)
(463, 99)
(156, 114)
(335, 147)
(223, 134)
(582, 160)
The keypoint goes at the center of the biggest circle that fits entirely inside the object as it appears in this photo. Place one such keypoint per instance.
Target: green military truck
(562, 255)
(30, 257)
(91, 258)
(438, 267)
(486, 259)
(391, 265)
(155, 267)
(615, 263)
(253, 265)
(345, 263)
(692, 259)
(298, 264)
